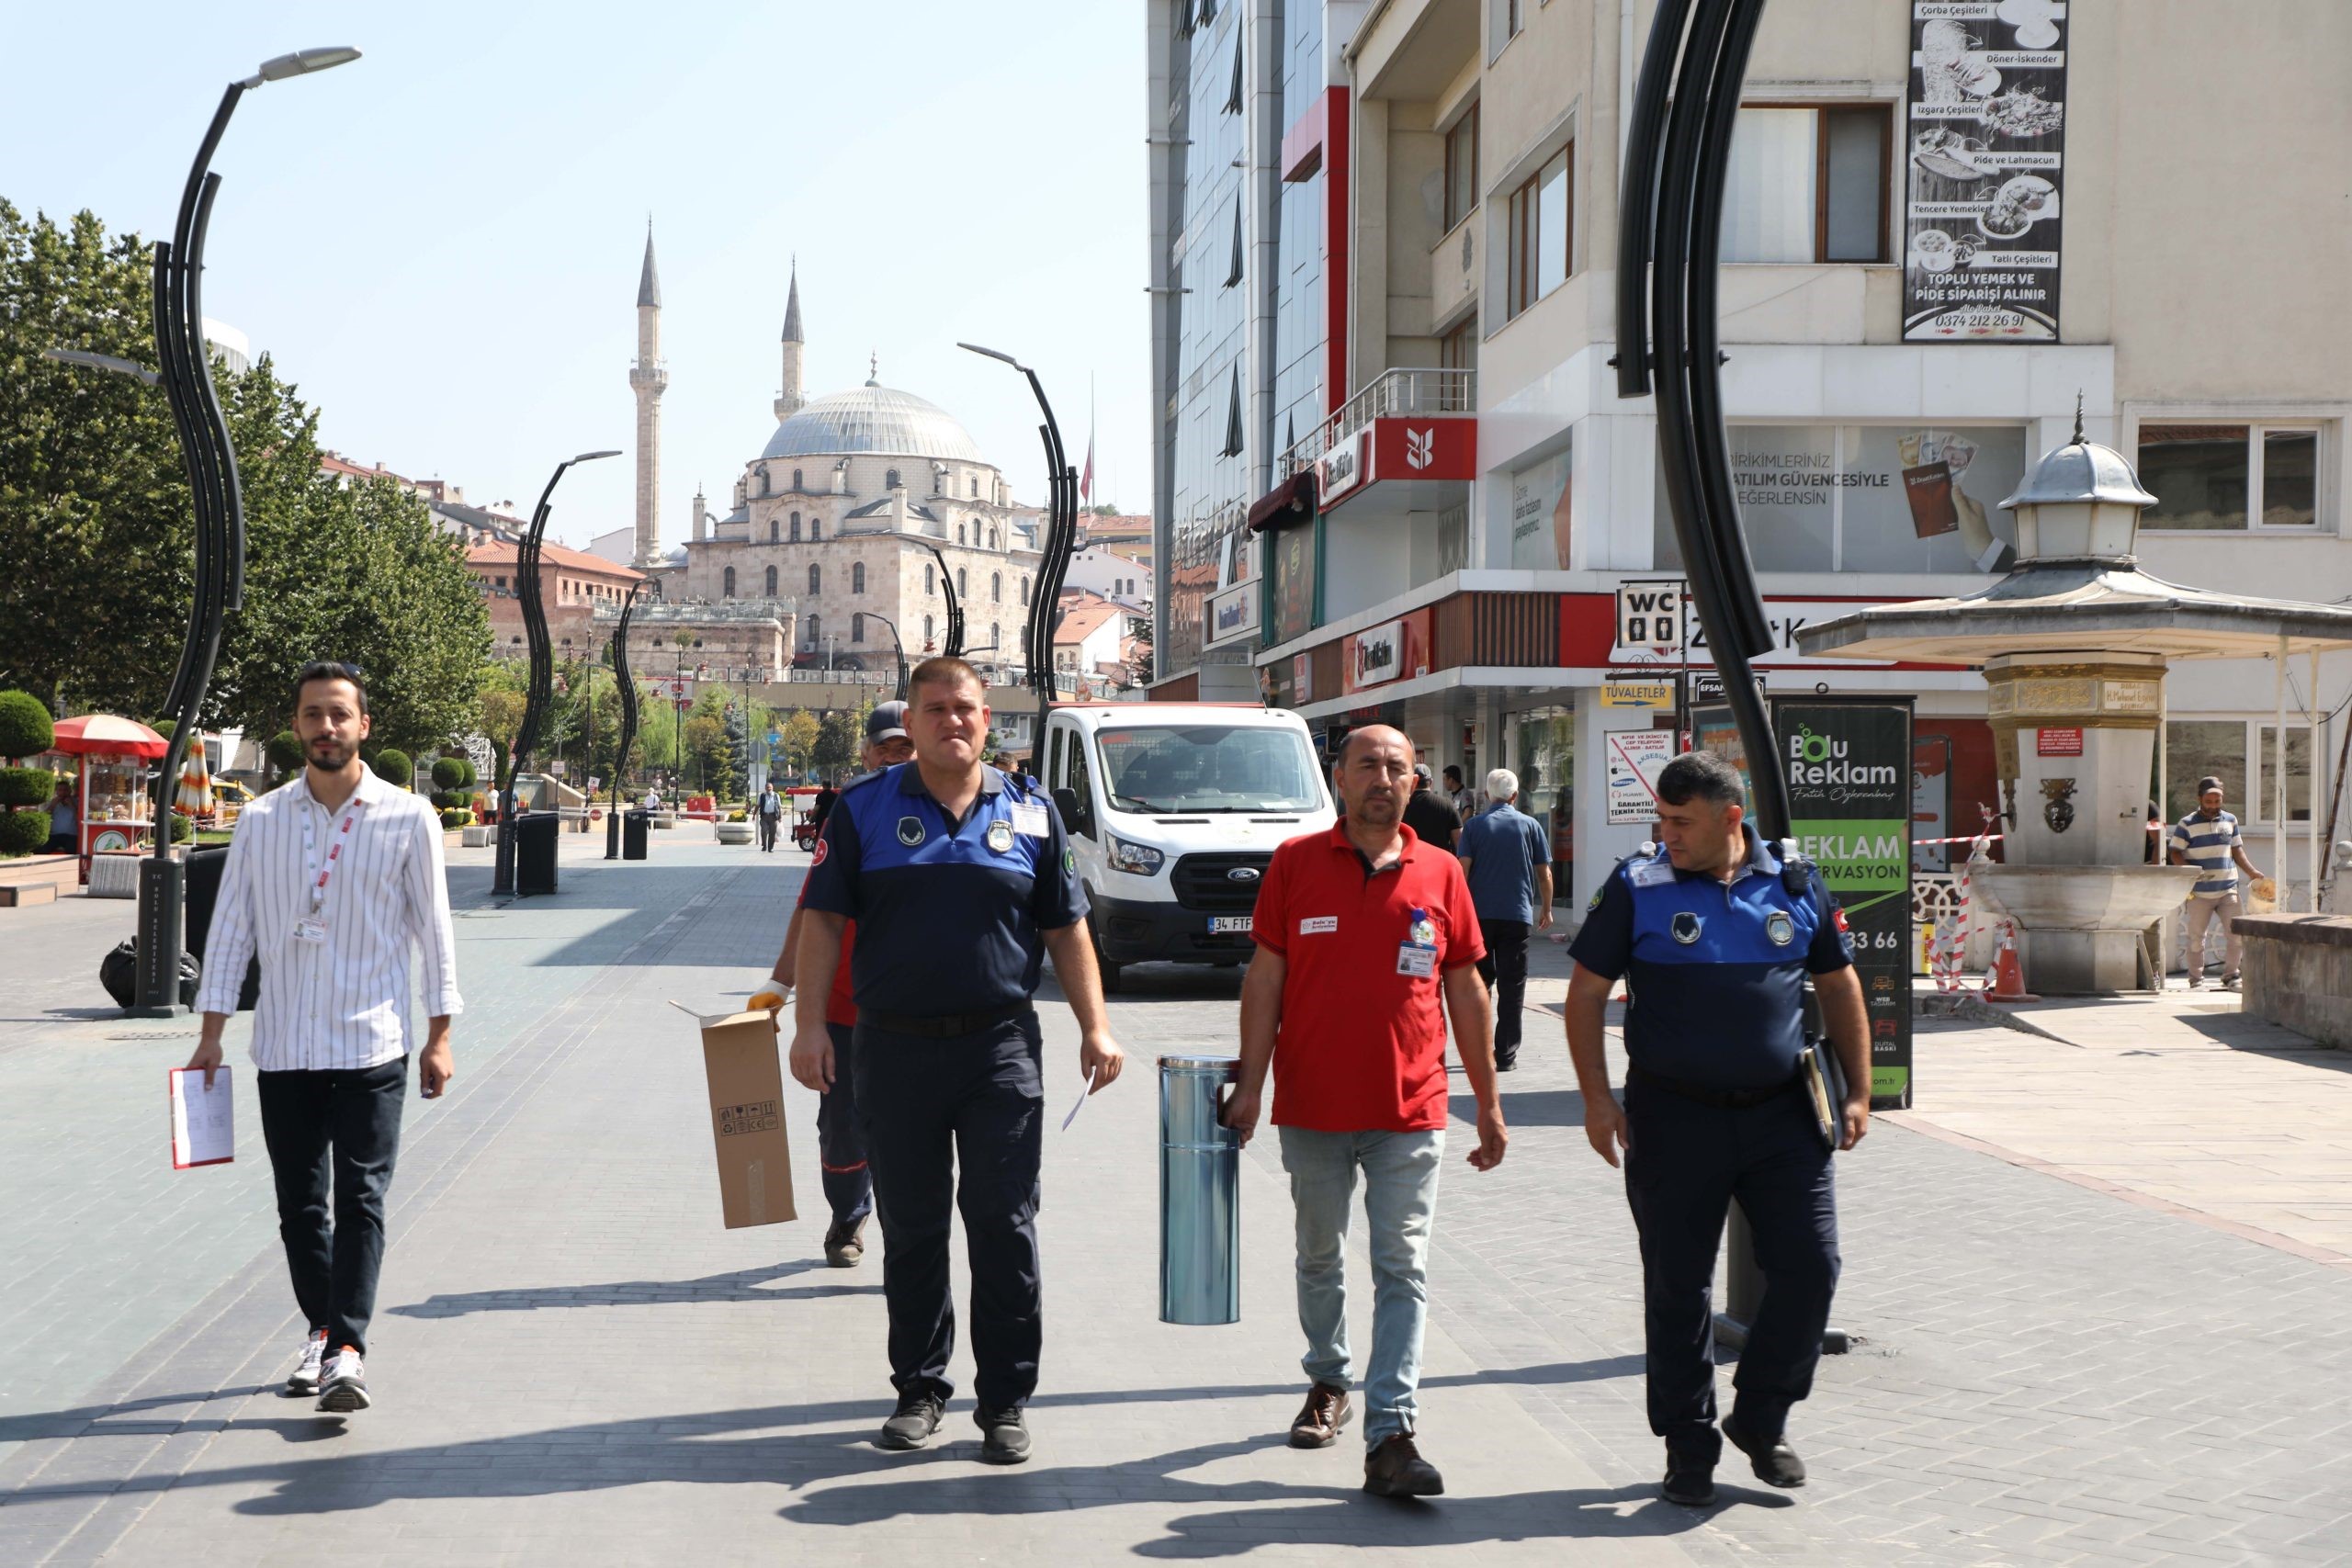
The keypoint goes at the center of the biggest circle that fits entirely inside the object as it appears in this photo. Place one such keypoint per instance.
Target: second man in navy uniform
(1714, 936)
(960, 882)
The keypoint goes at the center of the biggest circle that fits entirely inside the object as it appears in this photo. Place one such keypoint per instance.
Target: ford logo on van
(1242, 873)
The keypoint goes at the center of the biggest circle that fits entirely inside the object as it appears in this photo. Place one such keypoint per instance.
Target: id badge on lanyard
(312, 926)
(1417, 954)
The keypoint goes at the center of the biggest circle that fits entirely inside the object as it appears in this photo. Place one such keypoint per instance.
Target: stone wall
(2298, 972)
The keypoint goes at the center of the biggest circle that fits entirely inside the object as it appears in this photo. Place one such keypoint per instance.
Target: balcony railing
(1399, 393)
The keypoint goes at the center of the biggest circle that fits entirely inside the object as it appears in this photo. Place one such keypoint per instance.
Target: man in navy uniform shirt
(1715, 936)
(960, 882)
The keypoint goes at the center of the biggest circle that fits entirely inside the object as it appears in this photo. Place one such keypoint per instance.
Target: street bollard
(1200, 1194)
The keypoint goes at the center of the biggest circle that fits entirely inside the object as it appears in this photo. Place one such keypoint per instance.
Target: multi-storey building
(1946, 224)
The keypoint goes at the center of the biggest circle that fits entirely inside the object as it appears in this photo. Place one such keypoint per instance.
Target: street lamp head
(994, 354)
(592, 457)
(82, 356)
(302, 62)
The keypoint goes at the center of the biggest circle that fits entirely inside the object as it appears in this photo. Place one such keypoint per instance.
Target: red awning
(1293, 500)
(103, 732)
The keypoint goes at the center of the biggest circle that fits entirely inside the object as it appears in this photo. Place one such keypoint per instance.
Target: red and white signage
(1393, 651)
(1589, 629)
(2065, 742)
(1341, 470)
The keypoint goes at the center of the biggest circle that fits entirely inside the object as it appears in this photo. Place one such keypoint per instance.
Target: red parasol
(103, 732)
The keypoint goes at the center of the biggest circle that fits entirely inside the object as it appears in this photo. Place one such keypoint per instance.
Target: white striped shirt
(339, 1003)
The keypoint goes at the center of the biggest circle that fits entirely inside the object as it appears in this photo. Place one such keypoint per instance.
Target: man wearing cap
(1431, 817)
(960, 882)
(2208, 838)
(840, 1145)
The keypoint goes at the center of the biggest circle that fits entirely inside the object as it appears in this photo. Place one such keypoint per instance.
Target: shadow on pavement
(744, 1285)
(1529, 1107)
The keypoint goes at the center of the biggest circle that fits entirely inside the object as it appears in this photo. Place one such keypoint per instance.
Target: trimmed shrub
(395, 767)
(25, 729)
(183, 828)
(22, 832)
(26, 786)
(449, 772)
(454, 818)
(166, 728)
(284, 751)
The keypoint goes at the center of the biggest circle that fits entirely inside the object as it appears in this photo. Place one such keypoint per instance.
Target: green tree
(799, 728)
(705, 739)
(837, 740)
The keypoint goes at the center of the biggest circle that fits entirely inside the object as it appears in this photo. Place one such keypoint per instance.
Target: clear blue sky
(440, 241)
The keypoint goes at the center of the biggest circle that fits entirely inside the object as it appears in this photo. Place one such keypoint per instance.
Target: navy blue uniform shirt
(950, 915)
(1716, 969)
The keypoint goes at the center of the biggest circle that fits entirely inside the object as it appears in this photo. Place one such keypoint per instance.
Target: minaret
(789, 400)
(648, 381)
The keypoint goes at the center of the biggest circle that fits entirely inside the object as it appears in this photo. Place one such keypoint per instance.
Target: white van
(1173, 810)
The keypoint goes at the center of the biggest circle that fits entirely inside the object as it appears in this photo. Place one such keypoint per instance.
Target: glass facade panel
(1543, 755)
(2198, 474)
(2299, 775)
(1768, 197)
(1928, 498)
(1854, 148)
(2194, 748)
(2290, 479)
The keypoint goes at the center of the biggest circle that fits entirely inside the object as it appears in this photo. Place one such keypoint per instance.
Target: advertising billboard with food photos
(1983, 168)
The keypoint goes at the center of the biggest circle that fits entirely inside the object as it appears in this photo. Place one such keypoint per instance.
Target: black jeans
(347, 1124)
(1684, 1165)
(1505, 971)
(767, 832)
(928, 1106)
(841, 1144)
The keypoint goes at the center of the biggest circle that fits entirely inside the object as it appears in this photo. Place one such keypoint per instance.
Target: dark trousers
(928, 1106)
(767, 832)
(841, 1144)
(344, 1126)
(1505, 971)
(1687, 1162)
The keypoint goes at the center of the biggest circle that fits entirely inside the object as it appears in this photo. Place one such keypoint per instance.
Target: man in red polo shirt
(1358, 930)
(841, 1149)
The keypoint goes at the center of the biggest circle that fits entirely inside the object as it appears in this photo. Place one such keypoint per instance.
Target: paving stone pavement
(575, 1362)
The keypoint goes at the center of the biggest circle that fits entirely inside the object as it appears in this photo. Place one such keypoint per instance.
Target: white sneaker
(304, 1379)
(345, 1387)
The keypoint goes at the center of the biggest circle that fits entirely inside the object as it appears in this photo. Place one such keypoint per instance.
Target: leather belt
(942, 1025)
(1719, 1098)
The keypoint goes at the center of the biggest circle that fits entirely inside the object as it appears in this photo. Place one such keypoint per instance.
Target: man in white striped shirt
(329, 880)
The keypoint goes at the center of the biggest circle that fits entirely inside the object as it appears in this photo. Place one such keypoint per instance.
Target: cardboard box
(739, 1055)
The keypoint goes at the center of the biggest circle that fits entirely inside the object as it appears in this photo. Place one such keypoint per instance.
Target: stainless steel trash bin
(1200, 1194)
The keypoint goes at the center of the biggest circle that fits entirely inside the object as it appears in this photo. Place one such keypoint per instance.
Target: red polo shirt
(840, 1005)
(1361, 1047)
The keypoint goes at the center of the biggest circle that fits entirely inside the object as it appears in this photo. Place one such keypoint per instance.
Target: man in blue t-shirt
(960, 882)
(1507, 855)
(1714, 934)
(2208, 838)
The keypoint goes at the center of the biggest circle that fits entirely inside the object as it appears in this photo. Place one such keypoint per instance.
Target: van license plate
(1220, 924)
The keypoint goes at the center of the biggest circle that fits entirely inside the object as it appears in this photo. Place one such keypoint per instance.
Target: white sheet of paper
(1082, 1095)
(204, 1123)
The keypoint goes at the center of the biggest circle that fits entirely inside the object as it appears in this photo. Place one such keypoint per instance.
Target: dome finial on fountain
(2080, 501)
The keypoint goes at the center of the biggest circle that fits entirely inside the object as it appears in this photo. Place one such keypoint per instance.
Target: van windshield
(1206, 768)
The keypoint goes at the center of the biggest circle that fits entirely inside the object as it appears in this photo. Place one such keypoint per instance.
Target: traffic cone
(2008, 979)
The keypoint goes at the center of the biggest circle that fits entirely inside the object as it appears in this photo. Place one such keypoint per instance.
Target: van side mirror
(1075, 817)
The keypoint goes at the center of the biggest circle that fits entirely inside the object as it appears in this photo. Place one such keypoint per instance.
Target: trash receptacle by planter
(1200, 1193)
(633, 831)
(535, 849)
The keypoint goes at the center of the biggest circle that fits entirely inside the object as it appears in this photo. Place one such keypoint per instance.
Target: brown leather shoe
(1318, 1421)
(1395, 1468)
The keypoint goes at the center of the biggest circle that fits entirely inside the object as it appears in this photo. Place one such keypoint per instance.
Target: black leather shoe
(912, 1425)
(1775, 1463)
(1005, 1437)
(1506, 1064)
(844, 1244)
(1395, 1468)
(1687, 1483)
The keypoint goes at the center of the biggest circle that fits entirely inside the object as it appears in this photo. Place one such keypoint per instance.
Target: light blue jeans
(1399, 1197)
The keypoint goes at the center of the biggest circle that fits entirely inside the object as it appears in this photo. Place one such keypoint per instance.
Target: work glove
(771, 997)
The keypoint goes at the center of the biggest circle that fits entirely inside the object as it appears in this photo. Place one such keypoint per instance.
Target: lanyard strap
(319, 873)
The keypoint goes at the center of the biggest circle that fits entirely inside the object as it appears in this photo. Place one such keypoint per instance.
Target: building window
(2237, 476)
(1505, 18)
(976, 486)
(1233, 93)
(795, 527)
(1458, 349)
(1233, 264)
(816, 578)
(996, 638)
(857, 628)
(501, 582)
(1461, 168)
(929, 587)
(816, 528)
(857, 577)
(1233, 433)
(963, 587)
(892, 482)
(770, 581)
(2243, 755)
(995, 588)
(927, 633)
(996, 540)
(728, 589)
(960, 533)
(1539, 230)
(1808, 185)
(763, 482)
(1024, 590)
(816, 629)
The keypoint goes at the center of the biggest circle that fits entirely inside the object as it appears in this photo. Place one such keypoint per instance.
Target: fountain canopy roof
(2078, 472)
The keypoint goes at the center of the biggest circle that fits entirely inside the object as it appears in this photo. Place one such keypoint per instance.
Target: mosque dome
(871, 419)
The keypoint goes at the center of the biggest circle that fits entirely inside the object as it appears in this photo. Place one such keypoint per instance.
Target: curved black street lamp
(210, 459)
(1061, 541)
(535, 705)
(897, 641)
(629, 720)
(953, 646)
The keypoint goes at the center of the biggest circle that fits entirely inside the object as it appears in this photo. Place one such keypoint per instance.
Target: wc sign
(1649, 615)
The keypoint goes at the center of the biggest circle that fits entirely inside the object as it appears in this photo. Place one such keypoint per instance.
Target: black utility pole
(951, 646)
(535, 704)
(628, 722)
(1061, 542)
(1678, 149)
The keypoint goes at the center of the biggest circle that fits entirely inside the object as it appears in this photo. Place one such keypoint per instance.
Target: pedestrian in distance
(821, 809)
(1366, 941)
(770, 810)
(329, 881)
(1429, 815)
(960, 882)
(64, 819)
(1715, 933)
(2208, 838)
(1507, 855)
(1466, 803)
(841, 1143)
